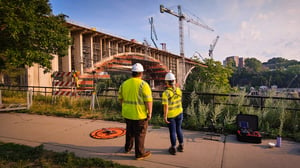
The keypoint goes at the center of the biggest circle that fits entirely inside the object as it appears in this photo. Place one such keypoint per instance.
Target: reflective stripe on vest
(174, 101)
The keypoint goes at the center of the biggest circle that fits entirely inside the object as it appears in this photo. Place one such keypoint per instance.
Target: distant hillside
(279, 63)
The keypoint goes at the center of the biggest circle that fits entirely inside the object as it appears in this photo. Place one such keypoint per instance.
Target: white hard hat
(170, 76)
(137, 67)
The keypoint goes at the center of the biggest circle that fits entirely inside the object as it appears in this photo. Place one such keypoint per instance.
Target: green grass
(20, 156)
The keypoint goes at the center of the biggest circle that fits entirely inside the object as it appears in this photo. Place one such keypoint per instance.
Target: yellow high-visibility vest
(172, 98)
(134, 92)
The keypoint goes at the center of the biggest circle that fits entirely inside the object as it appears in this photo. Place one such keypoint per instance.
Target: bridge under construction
(97, 52)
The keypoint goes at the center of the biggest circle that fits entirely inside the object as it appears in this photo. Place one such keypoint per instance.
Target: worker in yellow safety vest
(135, 96)
(173, 112)
(76, 77)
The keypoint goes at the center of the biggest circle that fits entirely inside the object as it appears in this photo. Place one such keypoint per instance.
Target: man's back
(134, 92)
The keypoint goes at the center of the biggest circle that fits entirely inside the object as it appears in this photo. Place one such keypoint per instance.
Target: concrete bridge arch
(154, 72)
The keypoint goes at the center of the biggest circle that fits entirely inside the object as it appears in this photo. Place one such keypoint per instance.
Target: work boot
(145, 155)
(172, 151)
(180, 148)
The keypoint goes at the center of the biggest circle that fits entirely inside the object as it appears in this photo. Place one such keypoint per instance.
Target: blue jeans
(175, 129)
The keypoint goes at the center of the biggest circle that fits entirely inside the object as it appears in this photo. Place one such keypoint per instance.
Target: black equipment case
(248, 128)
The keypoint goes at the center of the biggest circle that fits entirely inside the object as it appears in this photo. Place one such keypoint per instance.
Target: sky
(261, 29)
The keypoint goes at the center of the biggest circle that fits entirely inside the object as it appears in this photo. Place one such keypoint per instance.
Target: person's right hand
(149, 117)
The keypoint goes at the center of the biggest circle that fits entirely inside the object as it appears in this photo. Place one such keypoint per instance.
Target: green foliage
(231, 64)
(202, 115)
(296, 136)
(253, 65)
(193, 114)
(215, 116)
(118, 78)
(282, 114)
(13, 97)
(62, 106)
(30, 33)
(204, 110)
(273, 120)
(280, 63)
(277, 71)
(14, 155)
(279, 120)
(213, 78)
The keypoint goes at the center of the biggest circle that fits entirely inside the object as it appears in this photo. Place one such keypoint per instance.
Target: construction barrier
(75, 84)
(64, 93)
(62, 74)
(63, 84)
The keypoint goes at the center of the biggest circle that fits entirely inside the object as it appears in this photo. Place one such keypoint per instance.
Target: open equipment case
(248, 128)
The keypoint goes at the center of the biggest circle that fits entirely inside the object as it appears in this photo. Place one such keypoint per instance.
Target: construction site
(96, 55)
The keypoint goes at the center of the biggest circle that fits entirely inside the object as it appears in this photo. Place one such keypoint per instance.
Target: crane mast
(181, 17)
(153, 31)
(212, 47)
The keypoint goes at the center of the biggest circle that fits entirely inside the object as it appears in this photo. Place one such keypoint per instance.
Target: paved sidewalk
(60, 134)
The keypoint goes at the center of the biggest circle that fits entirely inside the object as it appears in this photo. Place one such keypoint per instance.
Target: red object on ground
(248, 128)
(108, 133)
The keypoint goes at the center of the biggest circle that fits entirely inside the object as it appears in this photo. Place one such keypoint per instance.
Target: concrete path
(61, 134)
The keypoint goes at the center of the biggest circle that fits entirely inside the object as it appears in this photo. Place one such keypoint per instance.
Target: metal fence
(255, 101)
(35, 89)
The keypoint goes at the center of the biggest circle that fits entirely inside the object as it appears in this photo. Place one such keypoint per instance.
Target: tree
(277, 60)
(214, 77)
(280, 63)
(253, 65)
(294, 72)
(231, 64)
(294, 69)
(30, 33)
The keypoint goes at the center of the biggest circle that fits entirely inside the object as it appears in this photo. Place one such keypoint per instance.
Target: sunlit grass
(19, 156)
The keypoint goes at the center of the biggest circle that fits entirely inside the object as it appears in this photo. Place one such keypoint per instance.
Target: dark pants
(175, 129)
(136, 132)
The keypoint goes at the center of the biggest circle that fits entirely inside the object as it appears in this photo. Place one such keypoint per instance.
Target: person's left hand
(166, 120)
